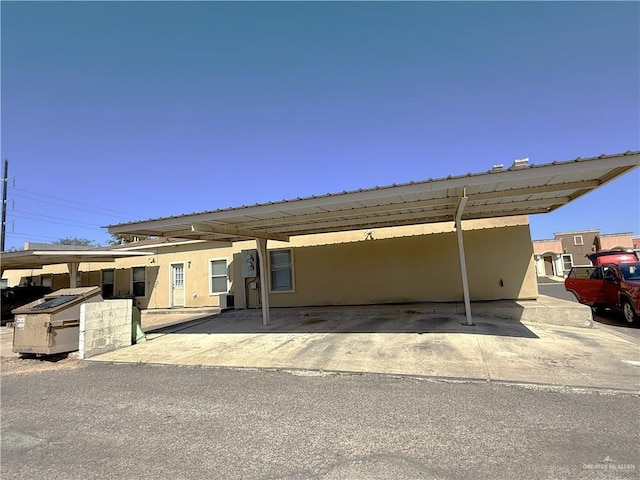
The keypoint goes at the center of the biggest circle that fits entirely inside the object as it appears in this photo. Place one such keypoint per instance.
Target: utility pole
(5, 178)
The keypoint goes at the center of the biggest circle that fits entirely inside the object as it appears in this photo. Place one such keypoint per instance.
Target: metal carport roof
(72, 256)
(23, 259)
(521, 189)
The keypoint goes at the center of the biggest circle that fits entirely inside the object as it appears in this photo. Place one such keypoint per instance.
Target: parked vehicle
(613, 256)
(615, 286)
(14, 297)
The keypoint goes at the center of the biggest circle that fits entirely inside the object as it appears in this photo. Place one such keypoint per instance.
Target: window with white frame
(219, 276)
(281, 268)
(108, 281)
(567, 261)
(138, 280)
(577, 240)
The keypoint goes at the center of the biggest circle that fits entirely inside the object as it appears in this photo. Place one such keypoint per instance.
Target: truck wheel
(629, 315)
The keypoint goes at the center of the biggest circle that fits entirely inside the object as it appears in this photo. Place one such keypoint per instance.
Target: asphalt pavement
(110, 421)
(356, 393)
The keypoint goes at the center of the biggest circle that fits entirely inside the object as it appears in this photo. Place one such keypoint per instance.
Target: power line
(85, 207)
(93, 225)
(58, 223)
(29, 236)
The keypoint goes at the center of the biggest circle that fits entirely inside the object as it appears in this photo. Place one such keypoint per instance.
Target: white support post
(463, 263)
(73, 274)
(264, 285)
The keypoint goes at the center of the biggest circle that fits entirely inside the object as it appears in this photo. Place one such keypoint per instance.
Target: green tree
(84, 242)
(117, 239)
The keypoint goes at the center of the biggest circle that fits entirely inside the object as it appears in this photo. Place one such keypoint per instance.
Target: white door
(177, 285)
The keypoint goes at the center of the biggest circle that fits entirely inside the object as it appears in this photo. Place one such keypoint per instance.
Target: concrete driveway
(399, 340)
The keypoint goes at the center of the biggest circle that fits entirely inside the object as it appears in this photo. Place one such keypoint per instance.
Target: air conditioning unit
(226, 300)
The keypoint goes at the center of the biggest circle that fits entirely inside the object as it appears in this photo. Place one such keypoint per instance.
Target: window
(107, 283)
(47, 281)
(138, 278)
(567, 262)
(177, 274)
(584, 273)
(219, 277)
(281, 270)
(577, 240)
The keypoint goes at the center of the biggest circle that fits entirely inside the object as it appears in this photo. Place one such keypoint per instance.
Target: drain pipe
(462, 202)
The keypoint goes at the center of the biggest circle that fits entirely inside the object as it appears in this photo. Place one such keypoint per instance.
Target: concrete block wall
(104, 327)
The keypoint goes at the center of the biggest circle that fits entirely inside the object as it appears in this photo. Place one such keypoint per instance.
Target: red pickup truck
(611, 285)
(613, 256)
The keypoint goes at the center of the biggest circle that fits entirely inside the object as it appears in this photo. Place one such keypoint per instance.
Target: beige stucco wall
(540, 247)
(413, 269)
(402, 264)
(608, 242)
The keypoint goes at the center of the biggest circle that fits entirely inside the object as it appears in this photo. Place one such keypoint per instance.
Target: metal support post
(264, 282)
(462, 202)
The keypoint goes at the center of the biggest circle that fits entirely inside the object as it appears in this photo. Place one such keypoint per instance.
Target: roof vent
(520, 163)
(497, 168)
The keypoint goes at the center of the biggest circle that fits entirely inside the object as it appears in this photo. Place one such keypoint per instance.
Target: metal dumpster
(51, 324)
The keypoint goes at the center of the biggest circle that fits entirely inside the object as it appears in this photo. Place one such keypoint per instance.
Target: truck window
(584, 273)
(597, 274)
(610, 273)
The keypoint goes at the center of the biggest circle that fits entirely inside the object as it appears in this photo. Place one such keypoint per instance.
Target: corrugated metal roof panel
(514, 191)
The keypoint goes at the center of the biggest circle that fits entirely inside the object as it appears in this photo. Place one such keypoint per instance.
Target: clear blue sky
(117, 111)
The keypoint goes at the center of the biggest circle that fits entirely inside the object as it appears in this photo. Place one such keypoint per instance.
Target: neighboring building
(578, 244)
(388, 265)
(556, 257)
(614, 241)
(549, 259)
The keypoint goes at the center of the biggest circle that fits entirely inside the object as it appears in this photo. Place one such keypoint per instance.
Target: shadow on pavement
(297, 321)
(613, 318)
(53, 358)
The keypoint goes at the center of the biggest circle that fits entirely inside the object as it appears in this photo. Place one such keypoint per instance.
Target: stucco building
(556, 256)
(388, 265)
(459, 238)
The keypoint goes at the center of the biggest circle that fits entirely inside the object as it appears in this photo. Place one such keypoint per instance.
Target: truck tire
(629, 314)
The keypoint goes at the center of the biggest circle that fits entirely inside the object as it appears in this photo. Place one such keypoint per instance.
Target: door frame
(172, 265)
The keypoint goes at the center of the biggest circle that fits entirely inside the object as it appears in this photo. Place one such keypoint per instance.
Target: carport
(72, 255)
(520, 189)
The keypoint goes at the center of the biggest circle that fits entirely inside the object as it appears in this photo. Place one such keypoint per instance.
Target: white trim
(575, 240)
(293, 276)
(226, 268)
(562, 255)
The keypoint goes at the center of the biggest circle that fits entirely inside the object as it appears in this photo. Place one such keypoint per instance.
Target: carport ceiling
(521, 189)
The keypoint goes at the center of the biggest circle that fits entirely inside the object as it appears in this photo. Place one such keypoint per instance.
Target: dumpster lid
(60, 299)
(84, 292)
(54, 302)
